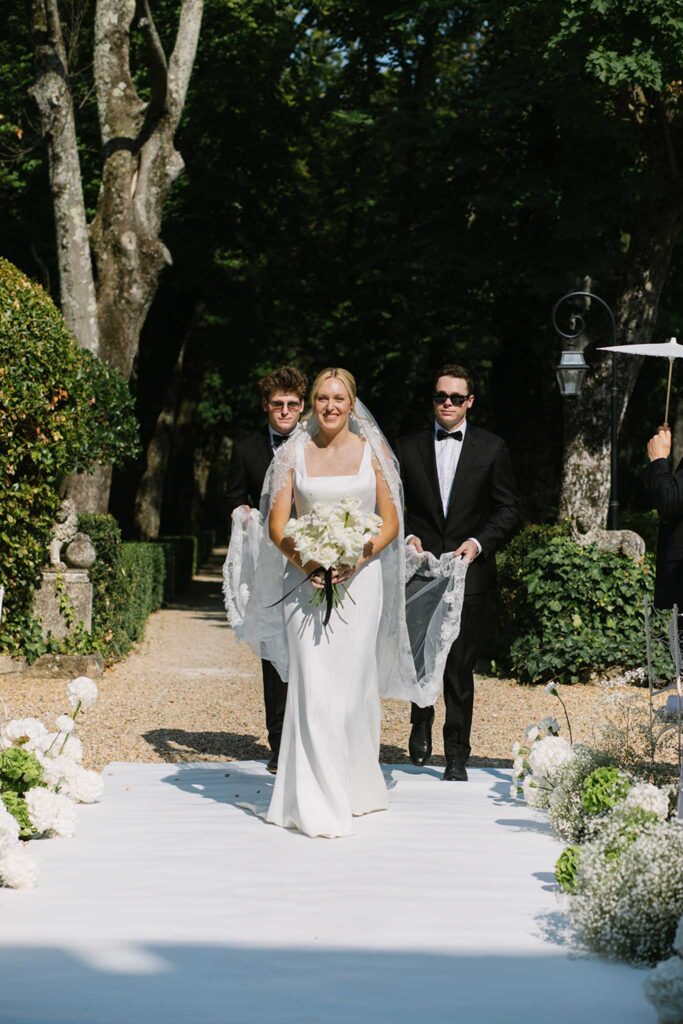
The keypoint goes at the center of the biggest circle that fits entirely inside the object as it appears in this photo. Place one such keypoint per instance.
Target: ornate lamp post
(570, 373)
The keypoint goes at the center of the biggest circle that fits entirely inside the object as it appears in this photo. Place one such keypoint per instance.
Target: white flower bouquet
(333, 536)
(41, 781)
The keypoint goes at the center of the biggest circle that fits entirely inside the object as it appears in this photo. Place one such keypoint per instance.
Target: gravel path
(191, 693)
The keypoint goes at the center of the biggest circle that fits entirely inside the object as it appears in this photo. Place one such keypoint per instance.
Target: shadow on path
(225, 983)
(178, 745)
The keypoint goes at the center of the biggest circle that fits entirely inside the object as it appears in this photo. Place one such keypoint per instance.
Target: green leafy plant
(129, 580)
(567, 611)
(567, 867)
(61, 411)
(16, 805)
(19, 770)
(603, 789)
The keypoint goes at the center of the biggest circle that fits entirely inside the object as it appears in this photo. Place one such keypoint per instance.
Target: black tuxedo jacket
(666, 494)
(251, 456)
(484, 502)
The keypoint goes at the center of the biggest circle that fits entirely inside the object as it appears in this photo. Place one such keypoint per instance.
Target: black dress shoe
(272, 764)
(420, 742)
(455, 770)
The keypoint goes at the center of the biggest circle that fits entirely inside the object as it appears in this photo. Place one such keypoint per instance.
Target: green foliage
(61, 410)
(603, 789)
(566, 868)
(19, 770)
(16, 805)
(128, 585)
(567, 611)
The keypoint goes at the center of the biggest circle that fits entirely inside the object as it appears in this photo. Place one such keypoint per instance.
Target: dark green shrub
(128, 585)
(61, 410)
(186, 558)
(566, 611)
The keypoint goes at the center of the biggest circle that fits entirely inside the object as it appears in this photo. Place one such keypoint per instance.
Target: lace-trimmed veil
(422, 598)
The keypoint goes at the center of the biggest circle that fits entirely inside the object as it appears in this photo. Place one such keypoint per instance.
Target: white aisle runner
(175, 906)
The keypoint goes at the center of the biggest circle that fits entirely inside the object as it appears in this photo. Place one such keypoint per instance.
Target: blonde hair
(347, 379)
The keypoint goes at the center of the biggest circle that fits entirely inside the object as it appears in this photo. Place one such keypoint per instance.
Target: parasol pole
(668, 393)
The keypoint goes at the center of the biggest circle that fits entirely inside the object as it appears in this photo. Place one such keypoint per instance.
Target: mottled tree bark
(140, 163)
(150, 493)
(52, 94)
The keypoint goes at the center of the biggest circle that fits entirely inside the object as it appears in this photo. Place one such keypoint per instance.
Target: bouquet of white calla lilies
(333, 536)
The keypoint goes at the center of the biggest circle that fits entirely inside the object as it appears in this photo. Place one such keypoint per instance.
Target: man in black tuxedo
(666, 494)
(460, 495)
(283, 394)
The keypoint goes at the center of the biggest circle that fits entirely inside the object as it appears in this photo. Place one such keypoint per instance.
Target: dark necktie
(278, 439)
(443, 435)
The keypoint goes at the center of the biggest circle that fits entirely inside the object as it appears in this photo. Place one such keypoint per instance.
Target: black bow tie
(443, 435)
(278, 439)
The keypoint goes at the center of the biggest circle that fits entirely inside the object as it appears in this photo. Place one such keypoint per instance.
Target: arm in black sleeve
(665, 488)
(505, 505)
(237, 486)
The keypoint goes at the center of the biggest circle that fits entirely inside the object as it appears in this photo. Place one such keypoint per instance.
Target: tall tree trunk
(140, 163)
(150, 493)
(52, 94)
(584, 497)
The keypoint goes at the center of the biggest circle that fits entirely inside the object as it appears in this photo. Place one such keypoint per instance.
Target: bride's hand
(317, 581)
(342, 573)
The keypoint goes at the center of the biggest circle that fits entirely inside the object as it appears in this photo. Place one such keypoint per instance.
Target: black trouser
(458, 681)
(274, 698)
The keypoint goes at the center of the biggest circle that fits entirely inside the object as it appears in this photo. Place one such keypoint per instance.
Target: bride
(328, 769)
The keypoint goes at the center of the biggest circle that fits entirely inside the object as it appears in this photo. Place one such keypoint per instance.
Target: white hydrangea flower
(56, 770)
(19, 868)
(54, 742)
(648, 798)
(28, 733)
(9, 830)
(549, 756)
(84, 786)
(663, 988)
(65, 723)
(50, 812)
(518, 769)
(83, 691)
(535, 794)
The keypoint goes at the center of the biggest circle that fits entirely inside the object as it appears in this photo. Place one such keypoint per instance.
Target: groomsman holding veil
(282, 397)
(461, 496)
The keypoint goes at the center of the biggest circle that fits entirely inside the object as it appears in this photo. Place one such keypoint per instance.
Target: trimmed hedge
(129, 582)
(566, 611)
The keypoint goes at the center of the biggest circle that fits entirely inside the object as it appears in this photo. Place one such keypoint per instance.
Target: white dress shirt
(447, 458)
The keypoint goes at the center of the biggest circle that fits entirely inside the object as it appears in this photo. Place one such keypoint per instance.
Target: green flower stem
(66, 735)
(566, 715)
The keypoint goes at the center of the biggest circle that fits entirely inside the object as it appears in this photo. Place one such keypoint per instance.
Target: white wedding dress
(328, 768)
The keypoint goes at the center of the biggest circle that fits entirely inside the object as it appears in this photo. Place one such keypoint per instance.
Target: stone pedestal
(77, 590)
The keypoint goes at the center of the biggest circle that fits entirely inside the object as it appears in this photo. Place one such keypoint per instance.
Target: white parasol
(669, 349)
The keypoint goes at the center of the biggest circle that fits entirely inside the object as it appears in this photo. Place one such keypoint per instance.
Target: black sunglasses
(440, 397)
